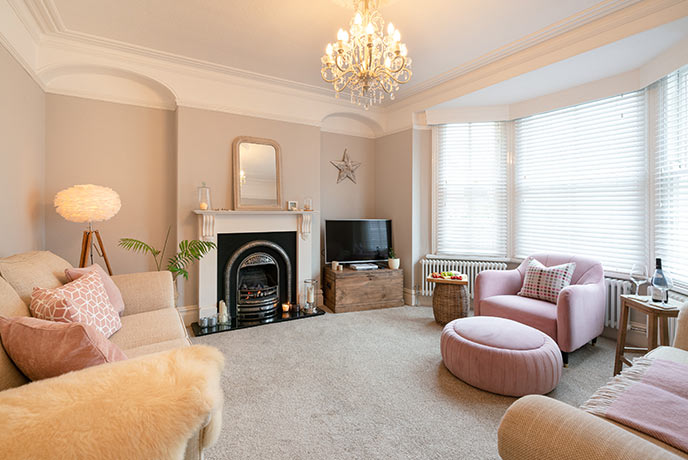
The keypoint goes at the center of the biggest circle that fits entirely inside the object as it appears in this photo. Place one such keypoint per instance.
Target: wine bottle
(660, 285)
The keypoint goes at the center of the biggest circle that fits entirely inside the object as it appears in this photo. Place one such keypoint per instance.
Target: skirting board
(189, 314)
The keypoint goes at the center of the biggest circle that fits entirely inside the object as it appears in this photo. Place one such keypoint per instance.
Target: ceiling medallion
(365, 60)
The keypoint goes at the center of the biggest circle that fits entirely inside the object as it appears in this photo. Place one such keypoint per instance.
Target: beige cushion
(148, 328)
(156, 347)
(10, 305)
(41, 269)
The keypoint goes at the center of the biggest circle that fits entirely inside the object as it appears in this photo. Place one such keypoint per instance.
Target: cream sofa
(150, 322)
(538, 427)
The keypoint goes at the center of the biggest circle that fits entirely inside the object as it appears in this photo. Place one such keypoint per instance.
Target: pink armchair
(578, 316)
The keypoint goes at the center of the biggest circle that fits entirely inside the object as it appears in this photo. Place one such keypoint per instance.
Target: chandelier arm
(391, 76)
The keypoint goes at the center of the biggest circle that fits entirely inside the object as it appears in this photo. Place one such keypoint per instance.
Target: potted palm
(189, 251)
(393, 260)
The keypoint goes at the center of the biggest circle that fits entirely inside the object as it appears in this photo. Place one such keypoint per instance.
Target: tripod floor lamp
(89, 203)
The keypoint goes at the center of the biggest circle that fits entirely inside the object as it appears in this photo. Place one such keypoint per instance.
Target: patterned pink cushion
(110, 287)
(43, 349)
(81, 301)
(545, 283)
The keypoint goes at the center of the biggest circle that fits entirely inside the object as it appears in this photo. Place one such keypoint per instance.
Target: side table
(449, 299)
(657, 315)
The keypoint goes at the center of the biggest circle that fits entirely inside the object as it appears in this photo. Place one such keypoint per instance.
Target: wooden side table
(657, 315)
(449, 299)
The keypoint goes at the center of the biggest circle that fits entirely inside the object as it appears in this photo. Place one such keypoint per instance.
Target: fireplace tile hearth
(235, 324)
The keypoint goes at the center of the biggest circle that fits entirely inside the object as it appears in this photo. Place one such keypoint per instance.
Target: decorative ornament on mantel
(347, 168)
(364, 59)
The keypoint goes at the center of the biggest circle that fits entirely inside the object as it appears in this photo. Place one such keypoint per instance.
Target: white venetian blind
(671, 176)
(581, 182)
(471, 195)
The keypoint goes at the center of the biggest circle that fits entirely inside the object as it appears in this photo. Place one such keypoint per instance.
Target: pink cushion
(545, 283)
(536, 313)
(43, 349)
(81, 301)
(588, 270)
(110, 287)
(501, 356)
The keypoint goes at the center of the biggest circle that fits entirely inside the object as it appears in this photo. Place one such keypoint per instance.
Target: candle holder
(204, 197)
(309, 299)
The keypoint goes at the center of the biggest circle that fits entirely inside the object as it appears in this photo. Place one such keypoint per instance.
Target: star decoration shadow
(346, 167)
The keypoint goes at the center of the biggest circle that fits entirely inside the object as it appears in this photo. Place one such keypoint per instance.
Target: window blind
(671, 176)
(471, 195)
(581, 182)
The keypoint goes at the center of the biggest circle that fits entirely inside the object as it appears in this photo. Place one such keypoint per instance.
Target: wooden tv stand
(357, 290)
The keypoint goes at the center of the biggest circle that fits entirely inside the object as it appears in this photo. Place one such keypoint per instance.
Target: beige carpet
(368, 385)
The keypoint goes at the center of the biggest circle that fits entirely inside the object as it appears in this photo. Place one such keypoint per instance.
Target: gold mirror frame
(237, 169)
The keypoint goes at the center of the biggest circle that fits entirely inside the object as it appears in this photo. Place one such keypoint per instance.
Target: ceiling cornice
(598, 11)
(49, 22)
(586, 30)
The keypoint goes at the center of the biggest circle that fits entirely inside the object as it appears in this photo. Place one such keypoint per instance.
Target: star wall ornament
(346, 167)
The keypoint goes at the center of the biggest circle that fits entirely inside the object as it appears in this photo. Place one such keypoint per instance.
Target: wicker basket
(449, 302)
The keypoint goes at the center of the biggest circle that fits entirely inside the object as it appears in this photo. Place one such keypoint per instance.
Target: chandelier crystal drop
(365, 60)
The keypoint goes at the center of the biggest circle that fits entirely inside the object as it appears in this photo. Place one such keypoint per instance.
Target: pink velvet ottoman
(501, 356)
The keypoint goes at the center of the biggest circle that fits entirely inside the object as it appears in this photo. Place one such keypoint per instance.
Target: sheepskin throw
(142, 408)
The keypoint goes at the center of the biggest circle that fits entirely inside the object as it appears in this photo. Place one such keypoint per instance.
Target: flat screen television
(357, 240)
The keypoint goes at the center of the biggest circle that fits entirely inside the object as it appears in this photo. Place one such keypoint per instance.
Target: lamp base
(87, 243)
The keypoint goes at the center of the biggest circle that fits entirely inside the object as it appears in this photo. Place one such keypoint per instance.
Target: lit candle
(203, 205)
(285, 307)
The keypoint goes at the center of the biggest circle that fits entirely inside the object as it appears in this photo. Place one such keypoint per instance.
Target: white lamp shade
(87, 203)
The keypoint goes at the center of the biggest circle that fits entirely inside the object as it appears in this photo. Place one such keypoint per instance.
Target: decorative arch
(109, 84)
(351, 123)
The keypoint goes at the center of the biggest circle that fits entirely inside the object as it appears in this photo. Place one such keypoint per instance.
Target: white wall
(22, 158)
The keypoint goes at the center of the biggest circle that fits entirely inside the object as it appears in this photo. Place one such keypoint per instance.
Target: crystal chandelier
(365, 60)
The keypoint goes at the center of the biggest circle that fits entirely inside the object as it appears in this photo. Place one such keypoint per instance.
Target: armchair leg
(565, 357)
(594, 342)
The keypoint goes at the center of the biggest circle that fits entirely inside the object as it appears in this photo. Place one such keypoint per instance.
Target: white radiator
(467, 267)
(617, 287)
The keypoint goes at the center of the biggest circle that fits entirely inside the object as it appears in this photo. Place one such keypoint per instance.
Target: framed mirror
(257, 174)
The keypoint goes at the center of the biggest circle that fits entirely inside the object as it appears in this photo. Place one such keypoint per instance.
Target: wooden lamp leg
(85, 248)
(102, 251)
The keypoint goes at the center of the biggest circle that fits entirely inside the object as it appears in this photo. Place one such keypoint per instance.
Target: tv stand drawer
(352, 290)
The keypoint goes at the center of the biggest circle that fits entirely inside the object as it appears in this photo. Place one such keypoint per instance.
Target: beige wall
(204, 154)
(22, 158)
(346, 200)
(393, 193)
(130, 149)
(422, 200)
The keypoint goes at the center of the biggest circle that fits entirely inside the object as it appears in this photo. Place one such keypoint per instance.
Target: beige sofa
(150, 323)
(538, 427)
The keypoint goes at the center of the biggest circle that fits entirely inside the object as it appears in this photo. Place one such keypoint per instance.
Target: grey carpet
(367, 385)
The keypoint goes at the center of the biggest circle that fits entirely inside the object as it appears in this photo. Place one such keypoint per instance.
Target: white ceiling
(285, 39)
(613, 59)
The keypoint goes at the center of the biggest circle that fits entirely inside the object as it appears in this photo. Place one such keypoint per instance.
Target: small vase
(393, 263)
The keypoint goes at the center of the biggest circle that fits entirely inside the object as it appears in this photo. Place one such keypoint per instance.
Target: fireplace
(256, 274)
(258, 278)
(260, 260)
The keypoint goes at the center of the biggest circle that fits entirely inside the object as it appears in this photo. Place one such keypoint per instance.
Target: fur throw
(142, 408)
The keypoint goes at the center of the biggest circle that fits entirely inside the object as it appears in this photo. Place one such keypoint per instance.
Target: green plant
(392, 254)
(189, 252)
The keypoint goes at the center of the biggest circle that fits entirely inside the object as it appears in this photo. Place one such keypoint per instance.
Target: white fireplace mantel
(212, 222)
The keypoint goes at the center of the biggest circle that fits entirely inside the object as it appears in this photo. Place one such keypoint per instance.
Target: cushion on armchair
(545, 283)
